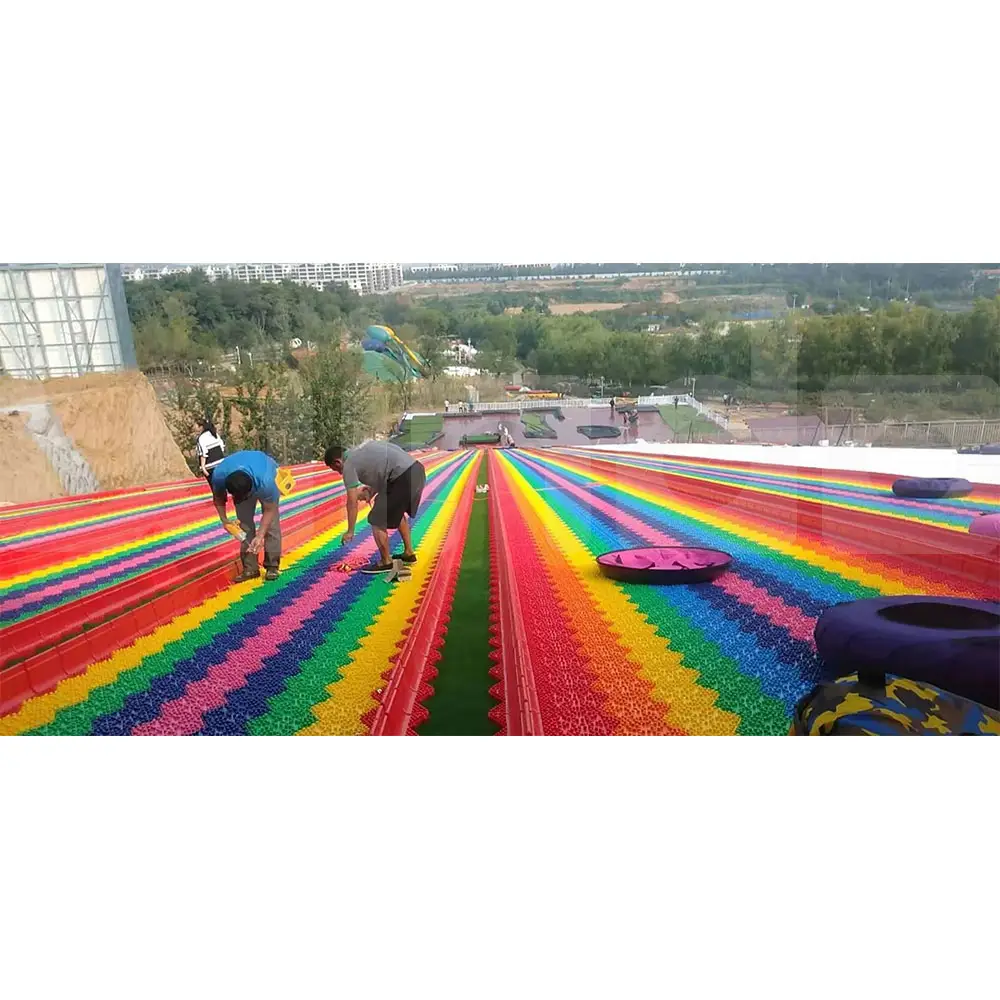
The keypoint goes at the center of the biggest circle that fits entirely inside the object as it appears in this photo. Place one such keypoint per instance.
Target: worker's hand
(256, 545)
(364, 494)
(348, 536)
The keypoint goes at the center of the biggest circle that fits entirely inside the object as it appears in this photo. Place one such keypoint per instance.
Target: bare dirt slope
(114, 423)
(26, 472)
(572, 308)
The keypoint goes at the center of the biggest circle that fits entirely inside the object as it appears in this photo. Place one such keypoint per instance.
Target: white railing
(717, 418)
(687, 400)
(538, 404)
(683, 399)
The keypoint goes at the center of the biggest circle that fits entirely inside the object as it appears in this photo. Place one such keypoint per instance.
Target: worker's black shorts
(401, 496)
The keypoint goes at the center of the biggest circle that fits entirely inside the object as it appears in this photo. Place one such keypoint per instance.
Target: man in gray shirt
(383, 471)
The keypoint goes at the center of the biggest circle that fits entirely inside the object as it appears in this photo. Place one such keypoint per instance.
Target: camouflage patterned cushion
(846, 707)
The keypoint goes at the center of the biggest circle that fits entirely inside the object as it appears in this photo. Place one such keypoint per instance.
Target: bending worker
(384, 471)
(249, 476)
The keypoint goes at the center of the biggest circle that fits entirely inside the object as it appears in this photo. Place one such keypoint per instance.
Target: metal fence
(536, 404)
(918, 433)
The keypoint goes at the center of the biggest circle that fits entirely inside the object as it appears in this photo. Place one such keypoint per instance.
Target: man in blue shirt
(249, 476)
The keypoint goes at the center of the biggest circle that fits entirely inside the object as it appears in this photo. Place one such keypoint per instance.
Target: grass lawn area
(682, 419)
(535, 425)
(420, 430)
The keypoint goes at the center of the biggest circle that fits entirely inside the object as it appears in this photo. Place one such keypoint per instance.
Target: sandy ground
(114, 422)
(426, 289)
(27, 473)
(571, 308)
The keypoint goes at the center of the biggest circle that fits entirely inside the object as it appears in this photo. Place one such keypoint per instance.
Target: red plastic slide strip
(397, 713)
(66, 513)
(52, 513)
(42, 671)
(523, 714)
(52, 627)
(55, 626)
(874, 479)
(43, 553)
(965, 557)
(23, 557)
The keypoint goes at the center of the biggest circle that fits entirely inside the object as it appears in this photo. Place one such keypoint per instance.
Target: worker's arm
(220, 507)
(270, 512)
(352, 514)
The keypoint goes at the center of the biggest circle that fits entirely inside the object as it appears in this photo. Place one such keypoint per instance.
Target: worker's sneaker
(374, 569)
(403, 557)
(247, 575)
(271, 574)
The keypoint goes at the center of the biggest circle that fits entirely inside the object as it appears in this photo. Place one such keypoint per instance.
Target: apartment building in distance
(365, 279)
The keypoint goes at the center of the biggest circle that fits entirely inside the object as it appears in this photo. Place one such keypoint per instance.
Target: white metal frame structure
(63, 319)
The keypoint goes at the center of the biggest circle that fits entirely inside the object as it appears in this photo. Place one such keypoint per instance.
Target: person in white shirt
(211, 449)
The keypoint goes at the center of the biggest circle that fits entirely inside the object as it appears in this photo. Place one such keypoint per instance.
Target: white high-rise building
(366, 279)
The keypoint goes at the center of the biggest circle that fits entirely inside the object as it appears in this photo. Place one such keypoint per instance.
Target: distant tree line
(854, 283)
(186, 316)
(824, 286)
(800, 352)
(804, 352)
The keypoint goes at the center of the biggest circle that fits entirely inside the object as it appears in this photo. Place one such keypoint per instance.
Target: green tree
(431, 349)
(340, 397)
(976, 348)
(261, 391)
(192, 400)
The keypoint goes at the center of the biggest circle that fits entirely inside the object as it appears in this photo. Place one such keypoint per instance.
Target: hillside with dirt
(66, 436)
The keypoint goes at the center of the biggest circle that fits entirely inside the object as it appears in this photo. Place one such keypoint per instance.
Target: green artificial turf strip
(461, 698)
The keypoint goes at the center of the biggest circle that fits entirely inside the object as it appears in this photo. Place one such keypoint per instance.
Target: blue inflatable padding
(931, 489)
(953, 642)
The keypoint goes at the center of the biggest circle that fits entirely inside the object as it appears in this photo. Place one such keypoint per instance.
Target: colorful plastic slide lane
(732, 656)
(326, 650)
(115, 539)
(306, 653)
(869, 492)
(40, 520)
